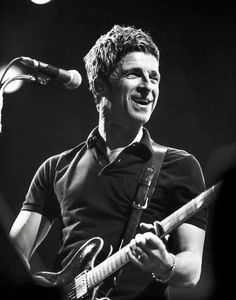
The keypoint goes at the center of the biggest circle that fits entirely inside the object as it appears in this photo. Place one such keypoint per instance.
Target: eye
(132, 75)
(155, 79)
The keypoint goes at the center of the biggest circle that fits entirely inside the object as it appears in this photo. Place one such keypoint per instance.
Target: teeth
(140, 101)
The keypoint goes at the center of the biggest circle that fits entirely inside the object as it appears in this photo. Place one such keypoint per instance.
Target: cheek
(156, 93)
(121, 94)
(118, 92)
(125, 91)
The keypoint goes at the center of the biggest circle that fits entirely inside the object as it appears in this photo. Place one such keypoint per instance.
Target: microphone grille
(75, 81)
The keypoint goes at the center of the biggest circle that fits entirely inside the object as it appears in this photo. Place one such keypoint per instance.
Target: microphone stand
(5, 84)
(39, 77)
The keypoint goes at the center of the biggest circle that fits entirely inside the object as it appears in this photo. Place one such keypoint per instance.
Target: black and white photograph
(117, 149)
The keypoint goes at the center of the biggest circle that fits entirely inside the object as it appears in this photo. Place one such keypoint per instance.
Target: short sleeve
(180, 180)
(40, 197)
(186, 182)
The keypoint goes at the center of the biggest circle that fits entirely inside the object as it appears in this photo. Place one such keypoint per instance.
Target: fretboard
(107, 267)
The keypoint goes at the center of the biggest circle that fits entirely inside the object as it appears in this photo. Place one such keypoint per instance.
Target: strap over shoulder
(158, 149)
(146, 187)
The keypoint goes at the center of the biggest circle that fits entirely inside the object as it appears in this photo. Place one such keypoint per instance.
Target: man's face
(132, 90)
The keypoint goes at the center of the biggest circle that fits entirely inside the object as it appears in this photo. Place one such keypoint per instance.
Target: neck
(119, 137)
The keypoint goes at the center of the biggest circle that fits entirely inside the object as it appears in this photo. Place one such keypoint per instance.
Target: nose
(145, 85)
(146, 79)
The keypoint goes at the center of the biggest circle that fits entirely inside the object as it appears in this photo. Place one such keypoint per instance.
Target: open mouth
(141, 101)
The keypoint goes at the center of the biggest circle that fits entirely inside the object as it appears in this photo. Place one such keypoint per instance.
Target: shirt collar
(95, 140)
(147, 140)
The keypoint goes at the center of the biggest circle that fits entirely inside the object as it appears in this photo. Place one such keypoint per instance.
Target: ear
(98, 106)
(101, 92)
(100, 103)
(99, 86)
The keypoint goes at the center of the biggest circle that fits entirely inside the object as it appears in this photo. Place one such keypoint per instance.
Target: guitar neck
(187, 211)
(107, 267)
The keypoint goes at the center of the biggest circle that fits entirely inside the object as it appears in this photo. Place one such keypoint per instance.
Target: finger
(142, 257)
(140, 239)
(138, 257)
(135, 248)
(153, 243)
(133, 255)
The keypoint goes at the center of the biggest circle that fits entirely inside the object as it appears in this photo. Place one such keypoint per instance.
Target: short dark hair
(101, 60)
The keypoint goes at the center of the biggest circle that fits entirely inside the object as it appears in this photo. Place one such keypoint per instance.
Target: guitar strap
(146, 187)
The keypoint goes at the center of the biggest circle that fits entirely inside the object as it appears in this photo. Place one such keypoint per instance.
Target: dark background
(196, 109)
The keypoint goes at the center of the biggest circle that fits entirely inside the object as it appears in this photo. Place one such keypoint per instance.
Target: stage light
(12, 72)
(40, 1)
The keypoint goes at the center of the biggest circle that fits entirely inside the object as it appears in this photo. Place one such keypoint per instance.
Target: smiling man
(127, 99)
(133, 89)
(91, 187)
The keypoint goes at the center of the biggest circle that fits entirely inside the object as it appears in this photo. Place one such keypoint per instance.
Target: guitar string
(70, 290)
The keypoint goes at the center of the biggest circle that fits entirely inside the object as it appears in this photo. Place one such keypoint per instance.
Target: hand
(148, 252)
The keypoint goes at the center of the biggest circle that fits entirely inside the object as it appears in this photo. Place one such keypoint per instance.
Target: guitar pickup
(81, 285)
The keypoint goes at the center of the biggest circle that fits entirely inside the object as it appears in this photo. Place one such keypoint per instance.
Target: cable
(4, 85)
(7, 68)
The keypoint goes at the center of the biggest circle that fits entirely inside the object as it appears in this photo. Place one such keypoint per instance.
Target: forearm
(148, 252)
(187, 271)
(21, 246)
(23, 258)
(27, 232)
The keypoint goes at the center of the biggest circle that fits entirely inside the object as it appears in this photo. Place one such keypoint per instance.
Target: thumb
(147, 227)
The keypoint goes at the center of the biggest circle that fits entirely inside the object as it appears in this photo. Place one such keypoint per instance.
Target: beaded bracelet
(156, 276)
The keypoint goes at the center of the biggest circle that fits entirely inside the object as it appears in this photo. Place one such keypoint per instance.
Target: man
(91, 187)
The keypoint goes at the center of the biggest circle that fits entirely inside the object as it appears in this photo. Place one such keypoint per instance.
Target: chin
(143, 117)
(141, 120)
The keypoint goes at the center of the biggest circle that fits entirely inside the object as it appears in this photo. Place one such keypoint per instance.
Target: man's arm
(27, 232)
(155, 258)
(188, 244)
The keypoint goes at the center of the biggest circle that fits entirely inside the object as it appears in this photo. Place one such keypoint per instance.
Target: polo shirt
(92, 197)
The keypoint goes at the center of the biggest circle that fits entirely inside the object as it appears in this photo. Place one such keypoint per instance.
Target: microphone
(70, 78)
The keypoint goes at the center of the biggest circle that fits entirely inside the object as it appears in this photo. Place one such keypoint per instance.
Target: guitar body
(82, 261)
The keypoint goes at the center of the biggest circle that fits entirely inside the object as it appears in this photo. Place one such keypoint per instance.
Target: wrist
(158, 278)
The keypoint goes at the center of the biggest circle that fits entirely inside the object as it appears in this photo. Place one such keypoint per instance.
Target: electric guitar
(81, 279)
